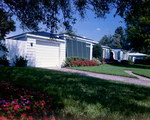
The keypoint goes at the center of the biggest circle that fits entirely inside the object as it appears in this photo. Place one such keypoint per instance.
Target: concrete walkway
(141, 81)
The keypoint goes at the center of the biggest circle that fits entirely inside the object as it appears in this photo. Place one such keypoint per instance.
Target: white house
(134, 56)
(43, 50)
(106, 51)
(118, 54)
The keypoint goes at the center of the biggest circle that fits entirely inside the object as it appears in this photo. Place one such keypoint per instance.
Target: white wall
(62, 54)
(30, 50)
(106, 53)
(15, 47)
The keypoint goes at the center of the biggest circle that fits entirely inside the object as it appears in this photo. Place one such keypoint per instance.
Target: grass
(117, 69)
(80, 97)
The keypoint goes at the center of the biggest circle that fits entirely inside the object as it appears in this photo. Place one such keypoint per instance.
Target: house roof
(137, 54)
(103, 46)
(46, 34)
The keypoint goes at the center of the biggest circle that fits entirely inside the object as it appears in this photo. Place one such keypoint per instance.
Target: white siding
(31, 51)
(62, 54)
(15, 47)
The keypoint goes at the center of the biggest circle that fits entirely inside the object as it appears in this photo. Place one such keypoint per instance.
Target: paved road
(141, 81)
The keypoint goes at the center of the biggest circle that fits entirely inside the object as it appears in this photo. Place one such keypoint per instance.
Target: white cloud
(98, 29)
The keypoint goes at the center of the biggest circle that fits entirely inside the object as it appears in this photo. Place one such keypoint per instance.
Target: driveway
(140, 81)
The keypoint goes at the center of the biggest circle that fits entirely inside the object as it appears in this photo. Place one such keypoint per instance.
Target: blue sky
(90, 28)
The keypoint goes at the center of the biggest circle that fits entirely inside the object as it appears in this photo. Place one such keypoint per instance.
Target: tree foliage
(138, 28)
(52, 13)
(138, 34)
(118, 40)
(106, 40)
(6, 24)
(98, 52)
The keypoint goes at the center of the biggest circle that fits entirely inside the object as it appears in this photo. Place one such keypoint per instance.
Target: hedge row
(79, 63)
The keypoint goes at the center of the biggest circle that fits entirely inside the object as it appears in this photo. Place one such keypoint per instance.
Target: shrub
(79, 63)
(20, 61)
(115, 61)
(4, 61)
(73, 58)
(97, 61)
(145, 60)
(126, 62)
(98, 52)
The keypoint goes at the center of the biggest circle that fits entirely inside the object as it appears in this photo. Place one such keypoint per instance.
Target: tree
(138, 34)
(118, 40)
(123, 39)
(98, 52)
(106, 40)
(138, 28)
(68, 32)
(31, 13)
(6, 24)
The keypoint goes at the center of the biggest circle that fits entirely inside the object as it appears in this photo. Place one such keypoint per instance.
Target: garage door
(47, 54)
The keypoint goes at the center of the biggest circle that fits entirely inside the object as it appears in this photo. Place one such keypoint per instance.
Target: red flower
(28, 107)
(24, 114)
(7, 105)
(2, 118)
(5, 109)
(10, 116)
(44, 102)
(53, 118)
(30, 118)
(41, 103)
(15, 101)
(16, 107)
(45, 117)
(37, 102)
(36, 113)
(39, 106)
(34, 110)
(28, 95)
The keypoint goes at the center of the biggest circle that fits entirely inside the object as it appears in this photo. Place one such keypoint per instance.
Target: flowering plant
(17, 100)
(105, 60)
(78, 63)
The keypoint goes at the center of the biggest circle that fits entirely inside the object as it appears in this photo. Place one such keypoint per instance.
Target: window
(77, 48)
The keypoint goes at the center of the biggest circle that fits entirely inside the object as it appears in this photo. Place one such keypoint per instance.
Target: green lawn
(117, 69)
(77, 96)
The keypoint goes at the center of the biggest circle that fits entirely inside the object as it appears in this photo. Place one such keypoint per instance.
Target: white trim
(83, 39)
(48, 38)
(17, 36)
(91, 51)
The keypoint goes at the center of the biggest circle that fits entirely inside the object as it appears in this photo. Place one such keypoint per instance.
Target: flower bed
(21, 101)
(78, 63)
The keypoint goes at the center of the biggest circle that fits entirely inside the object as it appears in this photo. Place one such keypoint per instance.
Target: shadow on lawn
(132, 66)
(114, 96)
